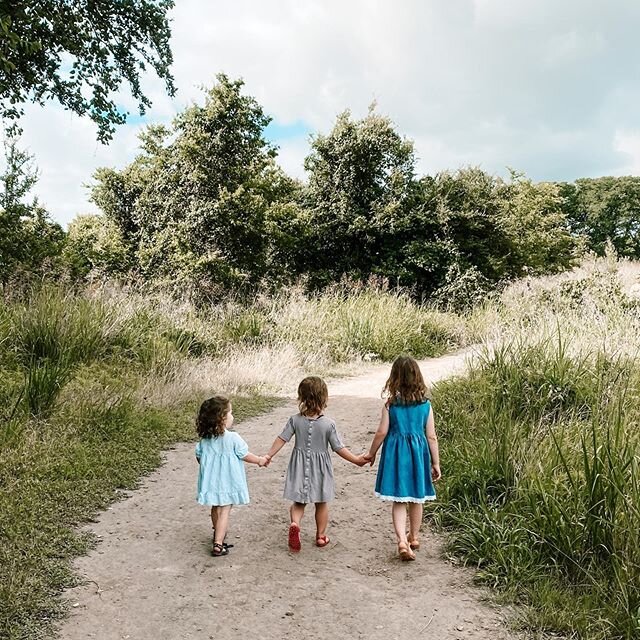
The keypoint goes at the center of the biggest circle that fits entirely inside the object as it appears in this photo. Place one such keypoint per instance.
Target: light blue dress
(222, 479)
(404, 472)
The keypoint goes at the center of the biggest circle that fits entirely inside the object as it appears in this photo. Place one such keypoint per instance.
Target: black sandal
(224, 544)
(219, 549)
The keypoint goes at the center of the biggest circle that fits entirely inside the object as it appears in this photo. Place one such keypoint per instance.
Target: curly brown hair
(212, 416)
(313, 395)
(405, 384)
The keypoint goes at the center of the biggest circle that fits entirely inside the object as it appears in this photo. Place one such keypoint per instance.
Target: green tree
(462, 231)
(81, 53)
(194, 203)
(95, 244)
(467, 210)
(538, 230)
(27, 236)
(360, 177)
(605, 209)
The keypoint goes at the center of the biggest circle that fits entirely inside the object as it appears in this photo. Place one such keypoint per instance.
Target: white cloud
(537, 85)
(67, 153)
(291, 155)
(628, 143)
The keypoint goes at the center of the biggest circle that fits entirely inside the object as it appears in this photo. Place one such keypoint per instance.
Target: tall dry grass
(94, 384)
(541, 444)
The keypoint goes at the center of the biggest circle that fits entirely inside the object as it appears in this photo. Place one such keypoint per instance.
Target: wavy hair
(313, 395)
(405, 384)
(212, 416)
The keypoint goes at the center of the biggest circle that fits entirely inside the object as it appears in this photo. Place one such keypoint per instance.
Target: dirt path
(152, 576)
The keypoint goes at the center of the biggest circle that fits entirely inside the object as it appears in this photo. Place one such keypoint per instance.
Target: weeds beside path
(152, 576)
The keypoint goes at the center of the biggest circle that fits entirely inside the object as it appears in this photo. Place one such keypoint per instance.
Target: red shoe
(294, 537)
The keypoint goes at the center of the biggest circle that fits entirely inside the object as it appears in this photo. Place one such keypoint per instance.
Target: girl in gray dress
(310, 473)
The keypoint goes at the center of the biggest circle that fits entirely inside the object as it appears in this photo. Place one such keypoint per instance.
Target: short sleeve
(288, 431)
(334, 439)
(240, 447)
(199, 449)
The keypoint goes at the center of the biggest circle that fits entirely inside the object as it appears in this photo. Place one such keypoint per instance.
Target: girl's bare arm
(278, 443)
(432, 439)
(254, 459)
(351, 457)
(381, 434)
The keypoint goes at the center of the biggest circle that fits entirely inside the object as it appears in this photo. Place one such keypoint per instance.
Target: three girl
(409, 463)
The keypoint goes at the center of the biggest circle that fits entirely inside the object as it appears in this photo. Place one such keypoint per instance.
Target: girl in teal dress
(410, 462)
(221, 455)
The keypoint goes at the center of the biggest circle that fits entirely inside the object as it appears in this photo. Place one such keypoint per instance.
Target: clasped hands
(363, 458)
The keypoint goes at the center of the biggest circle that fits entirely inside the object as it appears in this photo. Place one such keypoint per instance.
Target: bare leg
(322, 518)
(297, 511)
(214, 517)
(415, 520)
(399, 514)
(222, 523)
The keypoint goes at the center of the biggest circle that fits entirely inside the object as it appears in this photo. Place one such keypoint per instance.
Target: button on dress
(310, 473)
(404, 472)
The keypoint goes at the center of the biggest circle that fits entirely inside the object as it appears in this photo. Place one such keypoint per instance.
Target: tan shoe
(404, 551)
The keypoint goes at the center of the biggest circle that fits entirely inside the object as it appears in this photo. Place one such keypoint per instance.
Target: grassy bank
(94, 385)
(540, 444)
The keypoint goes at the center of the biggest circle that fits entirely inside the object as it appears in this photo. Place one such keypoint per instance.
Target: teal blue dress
(221, 478)
(404, 472)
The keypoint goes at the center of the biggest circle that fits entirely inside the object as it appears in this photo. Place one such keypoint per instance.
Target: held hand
(361, 461)
(262, 461)
(435, 472)
(268, 459)
(369, 458)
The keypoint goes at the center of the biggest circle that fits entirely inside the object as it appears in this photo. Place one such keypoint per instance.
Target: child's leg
(222, 522)
(415, 520)
(297, 511)
(399, 515)
(214, 517)
(322, 518)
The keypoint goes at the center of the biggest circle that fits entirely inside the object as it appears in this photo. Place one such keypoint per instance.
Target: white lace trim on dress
(405, 499)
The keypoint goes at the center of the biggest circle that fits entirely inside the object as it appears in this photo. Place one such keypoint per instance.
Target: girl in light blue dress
(220, 453)
(410, 461)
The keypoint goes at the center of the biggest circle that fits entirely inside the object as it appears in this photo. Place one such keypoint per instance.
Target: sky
(550, 88)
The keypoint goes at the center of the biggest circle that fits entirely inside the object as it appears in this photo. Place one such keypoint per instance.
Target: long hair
(405, 384)
(212, 416)
(312, 395)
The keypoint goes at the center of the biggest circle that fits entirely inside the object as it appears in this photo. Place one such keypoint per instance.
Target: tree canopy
(606, 210)
(205, 203)
(193, 204)
(27, 236)
(81, 53)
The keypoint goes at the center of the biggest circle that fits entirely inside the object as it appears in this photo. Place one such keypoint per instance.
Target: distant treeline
(205, 205)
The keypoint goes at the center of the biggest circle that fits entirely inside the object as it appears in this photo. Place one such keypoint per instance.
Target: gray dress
(310, 473)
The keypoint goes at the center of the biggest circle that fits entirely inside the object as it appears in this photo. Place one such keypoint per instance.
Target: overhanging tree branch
(80, 52)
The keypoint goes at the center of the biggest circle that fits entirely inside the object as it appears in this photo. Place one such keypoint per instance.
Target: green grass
(58, 473)
(540, 446)
(75, 430)
(380, 324)
(94, 385)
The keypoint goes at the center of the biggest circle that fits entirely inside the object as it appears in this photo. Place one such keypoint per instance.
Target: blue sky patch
(277, 132)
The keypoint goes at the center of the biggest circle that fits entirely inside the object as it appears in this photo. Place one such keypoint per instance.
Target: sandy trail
(152, 575)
